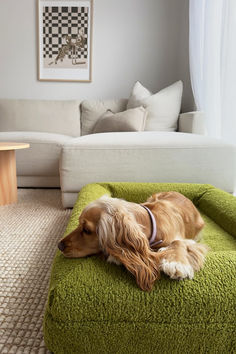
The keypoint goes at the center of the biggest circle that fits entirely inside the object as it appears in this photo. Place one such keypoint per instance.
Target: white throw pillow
(132, 120)
(138, 94)
(163, 107)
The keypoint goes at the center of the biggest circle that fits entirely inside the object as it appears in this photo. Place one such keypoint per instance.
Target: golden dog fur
(121, 230)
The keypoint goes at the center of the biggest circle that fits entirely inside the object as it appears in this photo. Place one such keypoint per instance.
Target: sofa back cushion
(92, 110)
(61, 117)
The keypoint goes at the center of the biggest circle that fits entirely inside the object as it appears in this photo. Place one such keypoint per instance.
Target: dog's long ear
(121, 237)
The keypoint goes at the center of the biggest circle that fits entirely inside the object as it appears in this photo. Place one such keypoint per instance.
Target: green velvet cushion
(96, 307)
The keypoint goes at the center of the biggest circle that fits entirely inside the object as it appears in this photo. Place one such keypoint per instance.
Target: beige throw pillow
(92, 110)
(132, 120)
(163, 107)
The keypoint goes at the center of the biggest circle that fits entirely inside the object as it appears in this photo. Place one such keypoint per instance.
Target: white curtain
(212, 51)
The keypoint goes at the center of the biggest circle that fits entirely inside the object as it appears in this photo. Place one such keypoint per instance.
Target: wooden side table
(8, 184)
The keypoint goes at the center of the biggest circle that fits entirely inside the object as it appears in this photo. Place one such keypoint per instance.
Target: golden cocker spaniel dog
(158, 235)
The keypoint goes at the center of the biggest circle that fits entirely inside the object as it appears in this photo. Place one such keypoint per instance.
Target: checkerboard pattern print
(61, 21)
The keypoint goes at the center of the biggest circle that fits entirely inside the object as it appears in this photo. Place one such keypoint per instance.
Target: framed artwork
(65, 40)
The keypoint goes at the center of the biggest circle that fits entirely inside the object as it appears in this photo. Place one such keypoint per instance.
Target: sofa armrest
(192, 122)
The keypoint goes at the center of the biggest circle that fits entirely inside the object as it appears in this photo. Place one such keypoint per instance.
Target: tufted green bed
(95, 307)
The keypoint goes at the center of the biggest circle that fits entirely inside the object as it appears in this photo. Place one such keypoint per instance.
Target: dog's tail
(196, 255)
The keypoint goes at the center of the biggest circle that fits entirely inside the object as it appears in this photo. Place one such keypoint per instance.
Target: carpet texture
(29, 232)
(96, 307)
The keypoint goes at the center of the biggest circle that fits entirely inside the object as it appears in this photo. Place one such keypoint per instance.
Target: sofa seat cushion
(42, 158)
(147, 157)
(140, 140)
(96, 307)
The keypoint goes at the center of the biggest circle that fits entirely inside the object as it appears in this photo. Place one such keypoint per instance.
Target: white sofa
(59, 133)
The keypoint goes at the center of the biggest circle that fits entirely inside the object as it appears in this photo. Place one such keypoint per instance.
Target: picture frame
(65, 40)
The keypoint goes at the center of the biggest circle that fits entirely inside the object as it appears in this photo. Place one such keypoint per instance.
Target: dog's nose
(61, 246)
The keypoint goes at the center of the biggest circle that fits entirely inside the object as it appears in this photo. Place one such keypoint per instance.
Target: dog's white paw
(177, 270)
(162, 249)
(112, 259)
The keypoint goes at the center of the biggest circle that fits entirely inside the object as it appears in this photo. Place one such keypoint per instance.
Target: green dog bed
(95, 307)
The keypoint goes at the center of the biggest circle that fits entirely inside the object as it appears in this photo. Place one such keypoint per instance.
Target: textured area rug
(29, 232)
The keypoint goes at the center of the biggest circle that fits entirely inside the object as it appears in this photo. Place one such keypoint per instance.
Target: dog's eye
(86, 231)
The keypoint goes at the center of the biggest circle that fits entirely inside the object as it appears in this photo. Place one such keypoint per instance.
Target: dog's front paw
(112, 259)
(176, 270)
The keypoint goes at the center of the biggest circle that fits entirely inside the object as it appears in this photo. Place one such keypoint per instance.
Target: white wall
(132, 40)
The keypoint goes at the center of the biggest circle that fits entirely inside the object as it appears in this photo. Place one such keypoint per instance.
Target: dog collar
(154, 228)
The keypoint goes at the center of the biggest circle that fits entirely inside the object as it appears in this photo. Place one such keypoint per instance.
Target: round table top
(13, 146)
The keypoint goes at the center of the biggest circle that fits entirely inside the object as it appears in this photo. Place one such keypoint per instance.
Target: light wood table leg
(8, 185)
